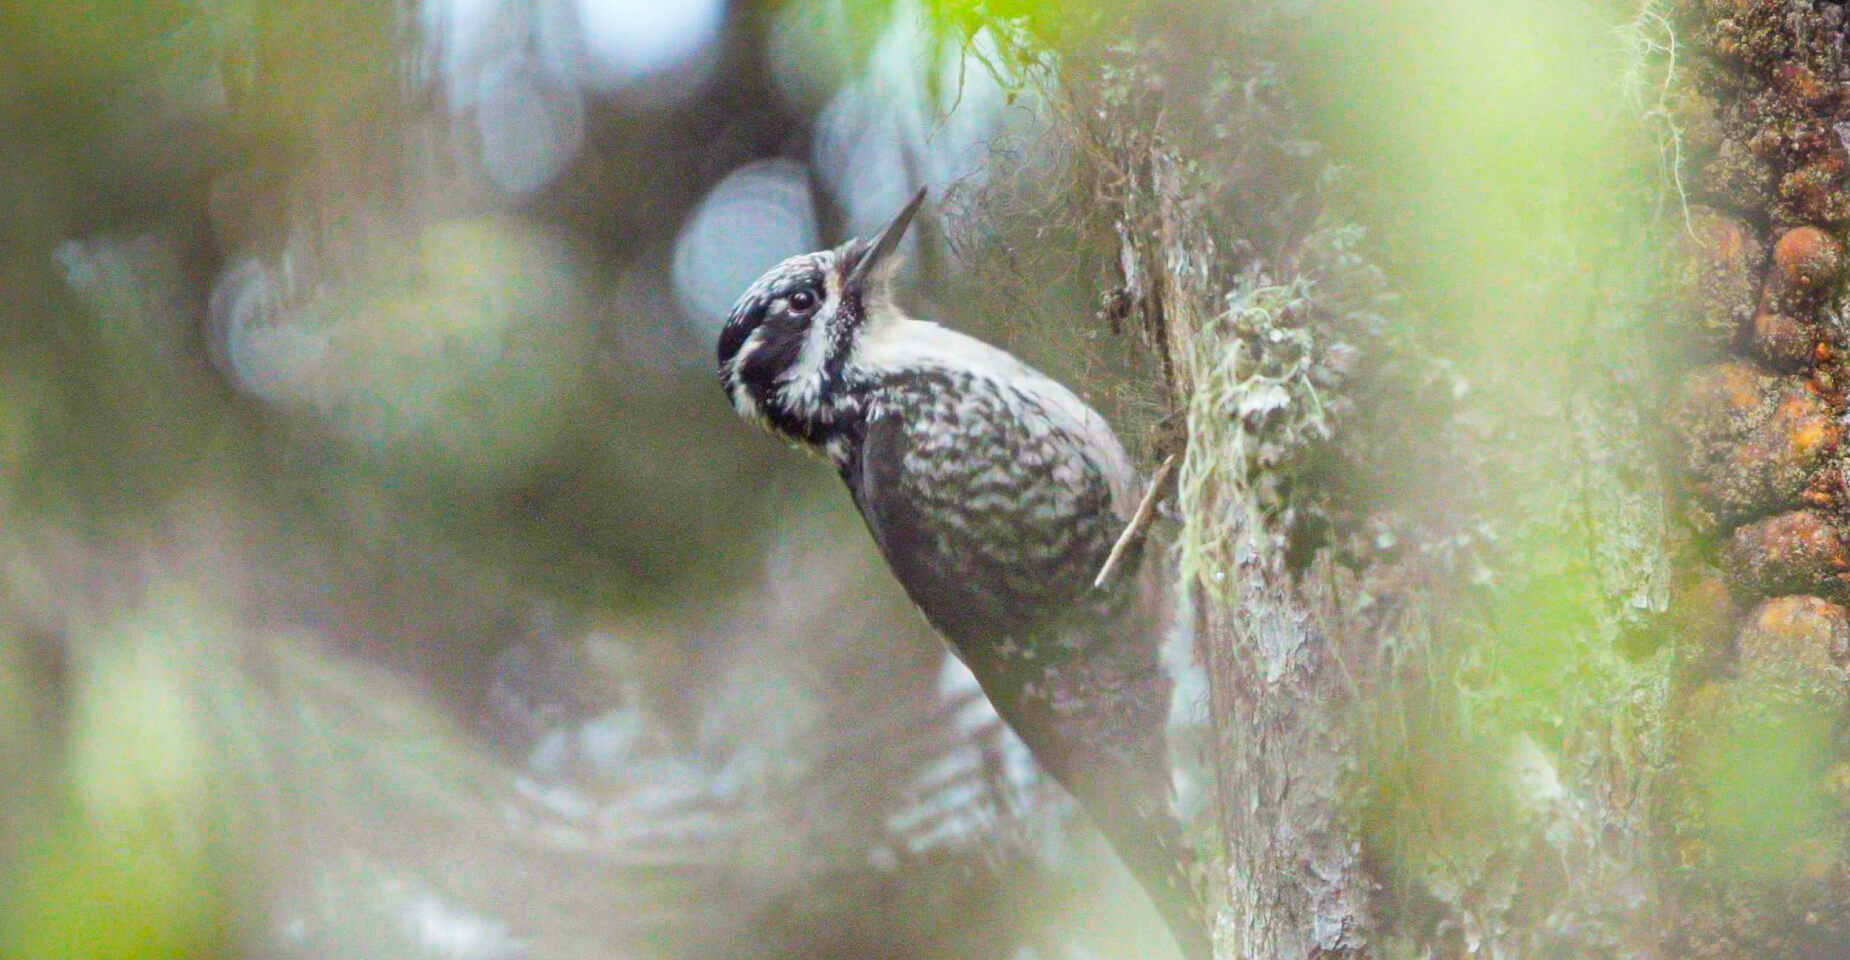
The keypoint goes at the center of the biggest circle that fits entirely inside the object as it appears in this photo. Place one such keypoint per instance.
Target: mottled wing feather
(975, 559)
(993, 521)
(905, 533)
(996, 538)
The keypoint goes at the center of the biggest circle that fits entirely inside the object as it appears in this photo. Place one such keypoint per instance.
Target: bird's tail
(1148, 841)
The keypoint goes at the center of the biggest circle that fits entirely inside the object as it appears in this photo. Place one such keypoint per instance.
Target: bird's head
(785, 350)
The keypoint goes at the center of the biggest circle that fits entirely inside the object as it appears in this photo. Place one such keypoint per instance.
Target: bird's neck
(895, 349)
(897, 344)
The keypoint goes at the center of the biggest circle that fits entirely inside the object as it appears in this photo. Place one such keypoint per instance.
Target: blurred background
(384, 573)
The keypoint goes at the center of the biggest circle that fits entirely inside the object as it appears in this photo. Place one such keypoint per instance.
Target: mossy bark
(1428, 538)
(1753, 845)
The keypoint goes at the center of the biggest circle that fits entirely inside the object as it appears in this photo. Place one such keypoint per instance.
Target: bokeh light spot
(758, 215)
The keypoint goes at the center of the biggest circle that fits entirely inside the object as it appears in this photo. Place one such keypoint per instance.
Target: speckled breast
(993, 516)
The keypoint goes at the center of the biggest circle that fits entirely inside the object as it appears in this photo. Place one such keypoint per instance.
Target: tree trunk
(1468, 564)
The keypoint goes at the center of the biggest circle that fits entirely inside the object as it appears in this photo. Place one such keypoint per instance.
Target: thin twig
(1160, 485)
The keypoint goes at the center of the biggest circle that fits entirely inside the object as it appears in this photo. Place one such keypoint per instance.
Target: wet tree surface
(1683, 441)
(1511, 493)
(1753, 870)
(384, 575)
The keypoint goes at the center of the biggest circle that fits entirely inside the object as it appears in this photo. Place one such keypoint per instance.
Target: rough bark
(1754, 846)
(1417, 532)
(1296, 887)
(1280, 645)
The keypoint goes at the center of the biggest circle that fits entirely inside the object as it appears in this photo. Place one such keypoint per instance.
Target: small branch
(1134, 532)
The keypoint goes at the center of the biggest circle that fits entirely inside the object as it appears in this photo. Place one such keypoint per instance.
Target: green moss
(1253, 404)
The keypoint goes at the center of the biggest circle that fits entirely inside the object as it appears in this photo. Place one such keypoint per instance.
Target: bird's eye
(802, 301)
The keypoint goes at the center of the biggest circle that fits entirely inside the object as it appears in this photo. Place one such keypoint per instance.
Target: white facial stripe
(802, 383)
(742, 399)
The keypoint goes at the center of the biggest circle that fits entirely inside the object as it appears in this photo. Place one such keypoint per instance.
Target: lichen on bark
(1751, 823)
(1513, 501)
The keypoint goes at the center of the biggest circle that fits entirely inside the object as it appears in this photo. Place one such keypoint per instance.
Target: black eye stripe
(732, 338)
(754, 309)
(779, 350)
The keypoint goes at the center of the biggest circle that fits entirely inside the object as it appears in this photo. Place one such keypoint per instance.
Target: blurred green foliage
(1510, 192)
(450, 355)
(74, 54)
(1761, 768)
(133, 854)
(1501, 168)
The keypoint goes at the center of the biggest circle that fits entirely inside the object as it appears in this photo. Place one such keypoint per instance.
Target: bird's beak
(884, 244)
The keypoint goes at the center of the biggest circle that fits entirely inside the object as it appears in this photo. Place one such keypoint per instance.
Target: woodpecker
(995, 495)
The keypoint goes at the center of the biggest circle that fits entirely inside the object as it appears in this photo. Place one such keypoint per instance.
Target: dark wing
(995, 535)
(1095, 716)
(1004, 573)
(911, 538)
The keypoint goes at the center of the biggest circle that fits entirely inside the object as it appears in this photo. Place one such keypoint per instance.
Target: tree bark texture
(1280, 648)
(1753, 828)
(1439, 545)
